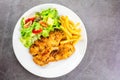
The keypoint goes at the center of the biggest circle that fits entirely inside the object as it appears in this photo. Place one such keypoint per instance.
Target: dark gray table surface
(102, 21)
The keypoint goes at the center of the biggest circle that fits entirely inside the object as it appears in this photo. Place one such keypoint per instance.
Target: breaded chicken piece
(40, 59)
(65, 50)
(53, 40)
(49, 49)
(56, 37)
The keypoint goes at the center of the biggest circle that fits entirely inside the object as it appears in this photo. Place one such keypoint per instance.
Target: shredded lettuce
(49, 16)
(45, 33)
(22, 22)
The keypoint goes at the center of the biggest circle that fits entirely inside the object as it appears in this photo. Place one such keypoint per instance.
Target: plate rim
(27, 12)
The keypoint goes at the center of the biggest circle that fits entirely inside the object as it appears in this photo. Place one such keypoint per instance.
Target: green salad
(40, 25)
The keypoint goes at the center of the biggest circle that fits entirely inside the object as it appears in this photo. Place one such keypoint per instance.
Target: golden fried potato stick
(70, 29)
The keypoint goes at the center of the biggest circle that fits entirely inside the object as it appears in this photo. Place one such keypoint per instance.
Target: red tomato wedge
(29, 19)
(36, 31)
(43, 24)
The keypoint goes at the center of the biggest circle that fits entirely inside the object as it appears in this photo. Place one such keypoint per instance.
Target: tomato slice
(28, 24)
(36, 31)
(29, 19)
(43, 24)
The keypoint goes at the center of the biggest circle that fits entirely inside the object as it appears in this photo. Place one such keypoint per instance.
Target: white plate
(53, 69)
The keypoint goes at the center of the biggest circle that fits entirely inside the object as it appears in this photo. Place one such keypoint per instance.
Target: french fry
(67, 41)
(76, 37)
(76, 25)
(80, 38)
(73, 31)
(70, 29)
(66, 31)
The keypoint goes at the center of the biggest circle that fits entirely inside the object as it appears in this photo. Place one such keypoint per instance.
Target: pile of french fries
(71, 30)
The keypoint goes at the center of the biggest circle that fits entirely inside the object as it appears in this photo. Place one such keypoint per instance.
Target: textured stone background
(102, 21)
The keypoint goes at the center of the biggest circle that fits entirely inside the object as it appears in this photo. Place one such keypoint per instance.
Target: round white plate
(53, 69)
